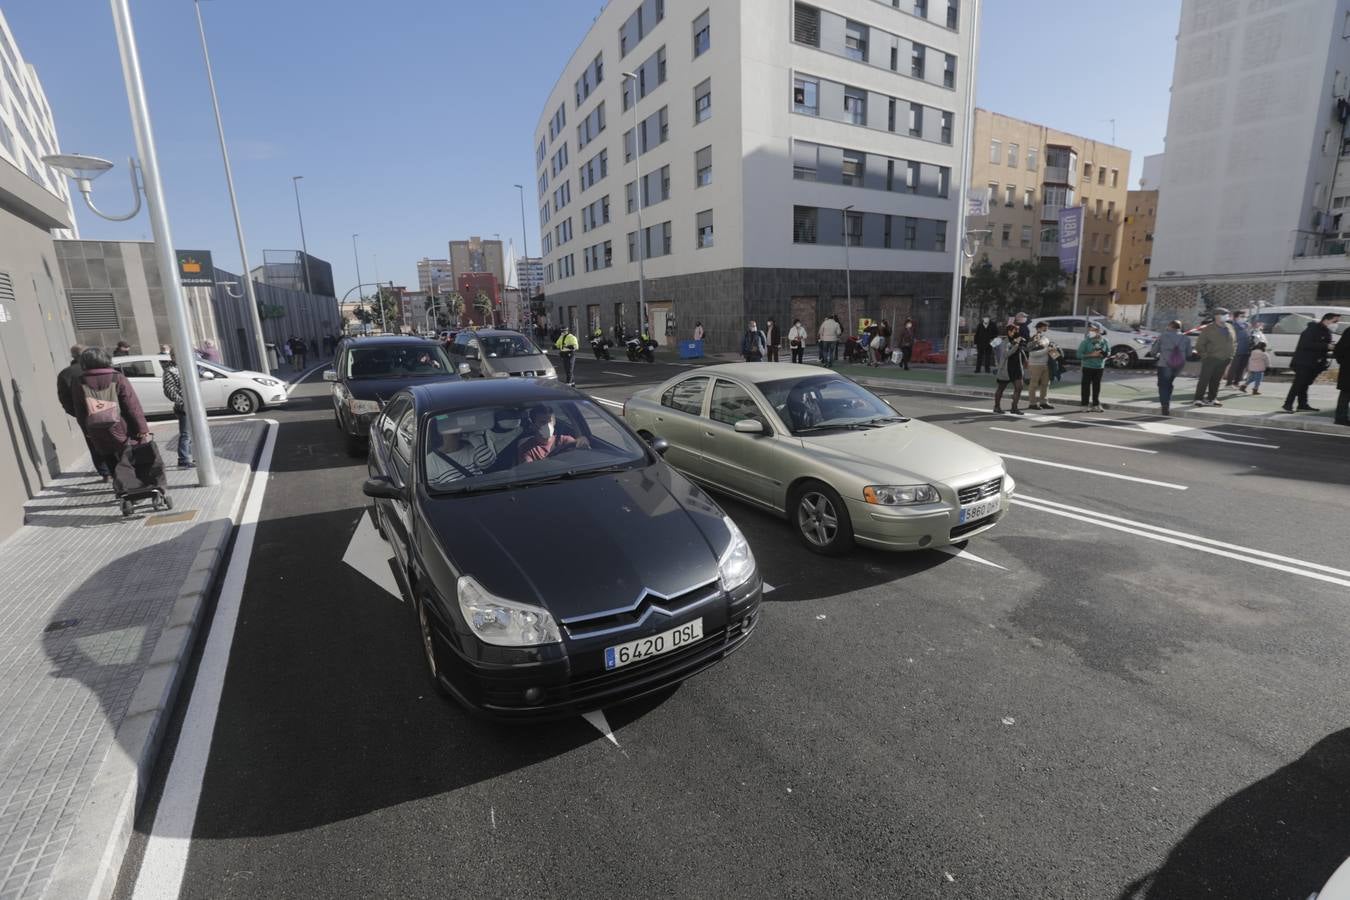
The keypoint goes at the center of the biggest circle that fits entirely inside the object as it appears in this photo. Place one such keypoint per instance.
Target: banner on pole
(1070, 236)
(977, 203)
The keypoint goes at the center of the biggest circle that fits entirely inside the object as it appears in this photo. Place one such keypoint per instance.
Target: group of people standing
(1027, 358)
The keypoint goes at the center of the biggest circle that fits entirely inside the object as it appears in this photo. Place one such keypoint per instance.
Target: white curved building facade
(758, 124)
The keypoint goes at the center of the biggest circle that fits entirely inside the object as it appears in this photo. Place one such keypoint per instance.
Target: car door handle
(711, 434)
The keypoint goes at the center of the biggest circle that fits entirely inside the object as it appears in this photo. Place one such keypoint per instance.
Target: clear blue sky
(412, 119)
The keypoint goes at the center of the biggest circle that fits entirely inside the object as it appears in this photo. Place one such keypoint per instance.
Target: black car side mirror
(381, 487)
(659, 444)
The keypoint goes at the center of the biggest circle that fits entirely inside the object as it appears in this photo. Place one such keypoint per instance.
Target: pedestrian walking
(1039, 349)
(107, 409)
(1092, 353)
(122, 349)
(298, 350)
(566, 346)
(905, 341)
(71, 396)
(172, 384)
(1342, 355)
(872, 343)
(698, 331)
(1309, 361)
(828, 336)
(1257, 365)
(210, 352)
(1242, 349)
(884, 332)
(1022, 327)
(287, 352)
(1174, 348)
(752, 343)
(1012, 362)
(797, 341)
(772, 339)
(1216, 346)
(985, 333)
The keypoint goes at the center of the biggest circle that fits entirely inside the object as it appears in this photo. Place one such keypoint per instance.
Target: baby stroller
(854, 351)
(139, 478)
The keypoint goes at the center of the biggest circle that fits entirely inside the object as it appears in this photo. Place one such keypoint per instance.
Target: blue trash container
(691, 349)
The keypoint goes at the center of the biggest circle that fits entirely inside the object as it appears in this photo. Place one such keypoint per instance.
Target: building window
(1101, 175)
(1115, 178)
(1032, 153)
(949, 71)
(1026, 236)
(702, 35)
(1110, 210)
(1098, 212)
(1007, 236)
(916, 120)
(806, 96)
(992, 197)
(806, 25)
(912, 177)
(921, 8)
(630, 196)
(1008, 193)
(853, 168)
(946, 128)
(704, 229)
(911, 238)
(703, 167)
(853, 228)
(916, 60)
(855, 40)
(703, 101)
(803, 225)
(1028, 198)
(1012, 156)
(1087, 171)
(855, 106)
(1091, 274)
(953, 13)
(1108, 244)
(1096, 242)
(940, 236)
(996, 152)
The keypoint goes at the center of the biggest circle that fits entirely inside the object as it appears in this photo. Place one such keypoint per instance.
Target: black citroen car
(370, 370)
(554, 561)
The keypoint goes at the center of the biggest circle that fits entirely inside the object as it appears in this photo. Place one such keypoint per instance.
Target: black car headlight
(737, 564)
(506, 623)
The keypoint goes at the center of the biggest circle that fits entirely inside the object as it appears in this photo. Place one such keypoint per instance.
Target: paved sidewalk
(97, 616)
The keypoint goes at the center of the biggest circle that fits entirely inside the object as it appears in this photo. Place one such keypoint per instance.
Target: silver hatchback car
(499, 353)
(836, 460)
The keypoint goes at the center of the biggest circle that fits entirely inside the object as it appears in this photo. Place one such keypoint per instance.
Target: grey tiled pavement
(63, 693)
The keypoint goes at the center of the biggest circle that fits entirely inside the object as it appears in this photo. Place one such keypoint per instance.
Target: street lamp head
(77, 165)
(519, 187)
(296, 177)
(629, 75)
(847, 208)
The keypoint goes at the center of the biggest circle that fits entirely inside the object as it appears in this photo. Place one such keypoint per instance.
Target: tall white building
(433, 276)
(1256, 184)
(530, 274)
(757, 124)
(27, 129)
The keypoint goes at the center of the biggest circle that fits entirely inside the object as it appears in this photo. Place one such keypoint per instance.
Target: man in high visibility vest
(567, 345)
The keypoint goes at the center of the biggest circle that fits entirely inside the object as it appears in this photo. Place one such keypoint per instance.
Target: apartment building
(1029, 172)
(530, 275)
(1141, 219)
(767, 132)
(477, 255)
(434, 276)
(1257, 176)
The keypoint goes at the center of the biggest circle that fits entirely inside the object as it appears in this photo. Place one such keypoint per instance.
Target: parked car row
(235, 390)
(558, 557)
(1130, 346)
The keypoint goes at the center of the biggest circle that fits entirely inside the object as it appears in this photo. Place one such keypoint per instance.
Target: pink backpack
(103, 422)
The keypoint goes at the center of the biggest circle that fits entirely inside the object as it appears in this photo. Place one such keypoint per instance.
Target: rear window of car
(396, 361)
(686, 396)
(140, 368)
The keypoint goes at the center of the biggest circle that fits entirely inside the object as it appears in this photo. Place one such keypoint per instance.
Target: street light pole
(295, 183)
(641, 237)
(525, 243)
(357, 256)
(164, 252)
(259, 341)
(848, 271)
(954, 318)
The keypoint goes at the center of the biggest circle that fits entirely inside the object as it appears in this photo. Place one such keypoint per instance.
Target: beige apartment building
(1141, 216)
(477, 255)
(1030, 172)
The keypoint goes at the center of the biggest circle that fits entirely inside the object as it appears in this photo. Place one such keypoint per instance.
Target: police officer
(567, 345)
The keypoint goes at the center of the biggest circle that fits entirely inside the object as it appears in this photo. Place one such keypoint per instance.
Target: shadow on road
(1282, 837)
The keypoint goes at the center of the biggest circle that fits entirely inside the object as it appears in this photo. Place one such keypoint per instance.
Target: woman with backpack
(107, 408)
(1174, 348)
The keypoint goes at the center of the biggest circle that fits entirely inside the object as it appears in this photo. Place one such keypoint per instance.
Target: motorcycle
(640, 349)
(600, 347)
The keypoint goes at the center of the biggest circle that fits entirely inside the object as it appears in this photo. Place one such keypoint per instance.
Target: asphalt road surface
(1135, 686)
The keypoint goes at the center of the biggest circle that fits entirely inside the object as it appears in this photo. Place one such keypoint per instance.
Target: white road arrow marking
(597, 718)
(369, 554)
(768, 587)
(1163, 429)
(962, 553)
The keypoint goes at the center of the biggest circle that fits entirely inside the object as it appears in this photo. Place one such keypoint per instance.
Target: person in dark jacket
(1309, 361)
(1342, 354)
(122, 349)
(752, 343)
(68, 392)
(905, 341)
(985, 333)
(98, 375)
(772, 338)
(172, 386)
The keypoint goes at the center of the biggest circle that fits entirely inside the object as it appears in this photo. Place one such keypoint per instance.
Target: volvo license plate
(983, 509)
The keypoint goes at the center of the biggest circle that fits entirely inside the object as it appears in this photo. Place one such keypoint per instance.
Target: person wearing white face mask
(544, 441)
(753, 344)
(1216, 345)
(985, 333)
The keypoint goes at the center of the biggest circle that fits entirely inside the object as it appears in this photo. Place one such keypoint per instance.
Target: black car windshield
(822, 402)
(498, 345)
(397, 361)
(499, 447)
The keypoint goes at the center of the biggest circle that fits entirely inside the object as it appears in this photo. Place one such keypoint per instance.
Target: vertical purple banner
(1070, 236)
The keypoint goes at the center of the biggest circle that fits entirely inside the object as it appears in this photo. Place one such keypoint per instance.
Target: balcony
(1061, 175)
(1050, 211)
(1050, 248)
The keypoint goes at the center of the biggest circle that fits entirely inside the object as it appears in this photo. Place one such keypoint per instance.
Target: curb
(89, 866)
(1282, 421)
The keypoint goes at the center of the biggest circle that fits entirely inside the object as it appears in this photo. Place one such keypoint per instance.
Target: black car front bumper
(575, 680)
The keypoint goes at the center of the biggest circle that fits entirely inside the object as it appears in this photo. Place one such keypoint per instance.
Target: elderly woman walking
(107, 409)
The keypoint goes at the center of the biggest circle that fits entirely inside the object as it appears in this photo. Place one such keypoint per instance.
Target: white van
(1283, 324)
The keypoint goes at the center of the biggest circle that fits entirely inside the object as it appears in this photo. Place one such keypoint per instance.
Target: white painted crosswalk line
(1055, 437)
(1098, 472)
(1159, 429)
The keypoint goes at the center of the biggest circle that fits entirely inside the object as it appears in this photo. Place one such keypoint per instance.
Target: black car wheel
(821, 519)
(429, 652)
(243, 402)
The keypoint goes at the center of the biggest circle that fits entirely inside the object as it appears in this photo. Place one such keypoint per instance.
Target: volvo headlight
(737, 564)
(358, 407)
(900, 494)
(505, 623)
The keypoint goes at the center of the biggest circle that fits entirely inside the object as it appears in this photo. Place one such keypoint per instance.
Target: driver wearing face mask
(544, 441)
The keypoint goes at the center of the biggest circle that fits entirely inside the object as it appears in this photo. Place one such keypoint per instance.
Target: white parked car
(223, 388)
(1282, 326)
(1129, 345)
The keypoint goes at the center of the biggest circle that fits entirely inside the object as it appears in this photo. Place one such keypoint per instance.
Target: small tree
(983, 289)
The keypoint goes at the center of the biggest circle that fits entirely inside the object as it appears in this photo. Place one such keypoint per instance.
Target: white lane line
(1159, 429)
(962, 553)
(612, 403)
(620, 374)
(1224, 545)
(1055, 465)
(166, 849)
(1203, 545)
(303, 375)
(1055, 437)
(597, 718)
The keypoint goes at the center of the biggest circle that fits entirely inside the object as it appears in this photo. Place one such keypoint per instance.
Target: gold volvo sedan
(839, 462)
